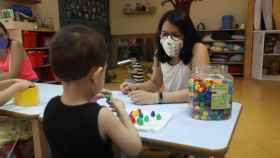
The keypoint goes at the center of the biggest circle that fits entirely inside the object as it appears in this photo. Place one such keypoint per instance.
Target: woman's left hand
(143, 97)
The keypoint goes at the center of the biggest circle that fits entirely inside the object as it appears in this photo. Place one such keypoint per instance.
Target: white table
(182, 133)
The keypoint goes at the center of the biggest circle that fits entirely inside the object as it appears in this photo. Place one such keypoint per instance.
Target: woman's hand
(127, 87)
(143, 97)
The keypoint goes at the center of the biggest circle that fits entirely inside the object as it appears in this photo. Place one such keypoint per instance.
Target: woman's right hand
(127, 87)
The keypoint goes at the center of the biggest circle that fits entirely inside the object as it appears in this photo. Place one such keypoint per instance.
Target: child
(13, 130)
(136, 72)
(74, 126)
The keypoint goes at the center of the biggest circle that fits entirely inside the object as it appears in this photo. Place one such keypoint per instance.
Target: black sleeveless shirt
(72, 132)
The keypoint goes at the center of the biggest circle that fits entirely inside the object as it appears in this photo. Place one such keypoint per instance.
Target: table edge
(14, 114)
(196, 149)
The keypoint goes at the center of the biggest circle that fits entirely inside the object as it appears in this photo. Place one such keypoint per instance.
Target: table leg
(38, 139)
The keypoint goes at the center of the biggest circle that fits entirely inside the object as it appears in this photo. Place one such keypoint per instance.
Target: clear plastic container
(212, 89)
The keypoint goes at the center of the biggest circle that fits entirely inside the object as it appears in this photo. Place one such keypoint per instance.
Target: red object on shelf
(50, 76)
(235, 69)
(36, 58)
(43, 40)
(29, 39)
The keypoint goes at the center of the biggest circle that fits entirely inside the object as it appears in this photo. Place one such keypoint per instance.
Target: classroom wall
(210, 12)
(206, 11)
(4, 4)
(48, 8)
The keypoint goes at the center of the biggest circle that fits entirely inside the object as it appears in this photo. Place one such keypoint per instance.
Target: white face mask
(172, 47)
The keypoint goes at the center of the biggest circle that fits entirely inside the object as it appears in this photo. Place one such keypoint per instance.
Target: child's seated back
(74, 126)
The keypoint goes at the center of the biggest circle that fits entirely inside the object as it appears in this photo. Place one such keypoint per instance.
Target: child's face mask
(3, 43)
(172, 46)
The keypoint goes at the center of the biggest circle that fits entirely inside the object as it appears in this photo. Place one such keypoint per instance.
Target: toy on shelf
(145, 120)
(138, 8)
(211, 90)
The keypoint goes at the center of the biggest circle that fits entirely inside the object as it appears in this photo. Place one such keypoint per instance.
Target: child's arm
(5, 84)
(16, 85)
(121, 131)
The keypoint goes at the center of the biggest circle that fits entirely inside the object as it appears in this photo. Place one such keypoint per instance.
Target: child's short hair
(75, 50)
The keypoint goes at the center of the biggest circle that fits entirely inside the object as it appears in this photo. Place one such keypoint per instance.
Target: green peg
(146, 118)
(158, 116)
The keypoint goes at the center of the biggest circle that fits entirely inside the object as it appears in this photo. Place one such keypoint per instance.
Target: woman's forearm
(148, 86)
(179, 96)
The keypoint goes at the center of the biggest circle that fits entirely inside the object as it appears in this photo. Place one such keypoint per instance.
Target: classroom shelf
(262, 61)
(222, 30)
(229, 43)
(152, 10)
(271, 77)
(226, 52)
(227, 63)
(224, 41)
(42, 66)
(27, 1)
(237, 74)
(46, 30)
(271, 54)
(38, 48)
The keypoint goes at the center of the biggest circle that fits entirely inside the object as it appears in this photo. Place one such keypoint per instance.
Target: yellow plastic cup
(28, 97)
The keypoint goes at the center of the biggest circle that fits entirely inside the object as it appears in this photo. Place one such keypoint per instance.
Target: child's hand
(127, 87)
(102, 92)
(22, 84)
(117, 105)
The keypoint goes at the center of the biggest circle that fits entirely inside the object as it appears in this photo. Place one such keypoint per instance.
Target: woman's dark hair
(186, 27)
(6, 32)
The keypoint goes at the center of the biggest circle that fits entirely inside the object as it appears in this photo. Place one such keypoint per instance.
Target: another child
(74, 126)
(12, 130)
